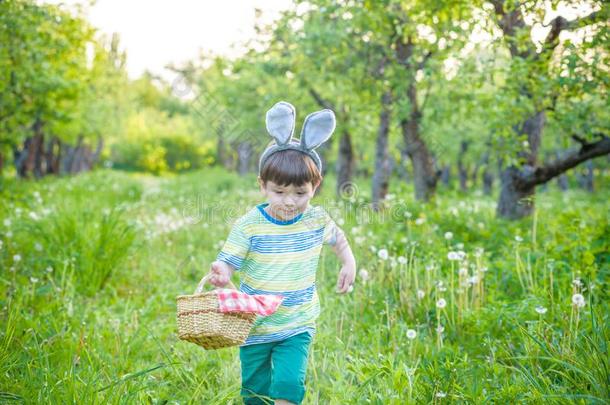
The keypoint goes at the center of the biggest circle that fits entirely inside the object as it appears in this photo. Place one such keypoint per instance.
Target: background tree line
(492, 93)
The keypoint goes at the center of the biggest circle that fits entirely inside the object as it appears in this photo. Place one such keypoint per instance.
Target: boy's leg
(289, 359)
(255, 373)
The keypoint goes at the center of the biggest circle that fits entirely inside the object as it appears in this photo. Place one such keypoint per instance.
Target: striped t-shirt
(280, 257)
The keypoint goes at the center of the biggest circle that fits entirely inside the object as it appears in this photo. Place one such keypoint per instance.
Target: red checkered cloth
(236, 301)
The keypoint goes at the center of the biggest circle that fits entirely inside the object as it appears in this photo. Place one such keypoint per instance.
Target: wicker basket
(200, 322)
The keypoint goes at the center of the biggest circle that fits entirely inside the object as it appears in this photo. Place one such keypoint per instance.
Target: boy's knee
(291, 390)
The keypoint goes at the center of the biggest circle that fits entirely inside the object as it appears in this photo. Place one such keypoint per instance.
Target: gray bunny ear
(318, 127)
(280, 122)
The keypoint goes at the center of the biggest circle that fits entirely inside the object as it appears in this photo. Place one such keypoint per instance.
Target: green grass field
(91, 266)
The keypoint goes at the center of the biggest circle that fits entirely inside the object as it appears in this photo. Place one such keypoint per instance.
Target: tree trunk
(462, 169)
(446, 174)
(516, 201)
(345, 164)
(562, 179)
(488, 177)
(381, 177)
(244, 153)
(53, 157)
(424, 174)
(585, 179)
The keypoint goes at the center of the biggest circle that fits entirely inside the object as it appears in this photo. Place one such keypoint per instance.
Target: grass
(91, 265)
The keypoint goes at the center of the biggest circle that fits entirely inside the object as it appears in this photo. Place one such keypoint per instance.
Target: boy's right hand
(220, 274)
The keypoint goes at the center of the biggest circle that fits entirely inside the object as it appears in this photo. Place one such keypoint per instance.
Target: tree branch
(572, 159)
(559, 24)
(321, 101)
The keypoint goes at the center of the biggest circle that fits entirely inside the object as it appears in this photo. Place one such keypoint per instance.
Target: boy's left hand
(346, 278)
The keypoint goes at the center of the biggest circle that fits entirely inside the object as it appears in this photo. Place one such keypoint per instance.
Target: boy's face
(286, 202)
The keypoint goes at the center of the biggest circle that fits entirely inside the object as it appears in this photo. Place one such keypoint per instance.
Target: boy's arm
(348, 263)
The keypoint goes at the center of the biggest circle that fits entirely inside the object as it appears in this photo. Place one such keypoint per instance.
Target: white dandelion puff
(411, 334)
(402, 259)
(453, 256)
(421, 294)
(540, 309)
(383, 254)
(448, 235)
(578, 300)
(441, 303)
(364, 275)
(16, 258)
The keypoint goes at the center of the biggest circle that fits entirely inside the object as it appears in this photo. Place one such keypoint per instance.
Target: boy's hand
(220, 274)
(346, 278)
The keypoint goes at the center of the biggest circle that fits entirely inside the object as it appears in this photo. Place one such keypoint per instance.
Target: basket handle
(204, 280)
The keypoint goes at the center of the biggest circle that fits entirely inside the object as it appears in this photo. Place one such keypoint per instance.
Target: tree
(542, 77)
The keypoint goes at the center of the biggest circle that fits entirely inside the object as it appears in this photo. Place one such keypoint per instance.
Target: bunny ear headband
(317, 128)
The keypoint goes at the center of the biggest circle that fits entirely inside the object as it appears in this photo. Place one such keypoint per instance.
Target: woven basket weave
(200, 322)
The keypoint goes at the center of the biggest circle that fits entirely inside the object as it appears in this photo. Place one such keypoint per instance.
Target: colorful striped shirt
(280, 257)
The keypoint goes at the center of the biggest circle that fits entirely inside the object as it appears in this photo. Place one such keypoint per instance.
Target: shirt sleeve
(236, 247)
(331, 230)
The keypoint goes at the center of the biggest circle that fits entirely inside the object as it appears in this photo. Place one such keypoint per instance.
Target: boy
(276, 247)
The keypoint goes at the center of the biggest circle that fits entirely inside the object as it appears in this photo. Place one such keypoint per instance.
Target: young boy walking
(276, 247)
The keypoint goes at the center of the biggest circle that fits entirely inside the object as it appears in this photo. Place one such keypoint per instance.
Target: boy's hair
(288, 167)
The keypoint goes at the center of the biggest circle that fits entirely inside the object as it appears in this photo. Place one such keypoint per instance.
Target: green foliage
(152, 238)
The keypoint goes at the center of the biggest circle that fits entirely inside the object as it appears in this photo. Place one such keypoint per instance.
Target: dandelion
(34, 216)
(478, 252)
(441, 303)
(16, 258)
(578, 300)
(373, 248)
(440, 329)
(420, 221)
(38, 247)
(518, 239)
(33, 280)
(359, 240)
(402, 259)
(441, 394)
(577, 283)
(461, 254)
(7, 222)
(463, 271)
(364, 275)
(411, 334)
(453, 256)
(49, 269)
(429, 267)
(9, 234)
(407, 214)
(473, 280)
(448, 235)
(460, 246)
(540, 309)
(383, 254)
(420, 294)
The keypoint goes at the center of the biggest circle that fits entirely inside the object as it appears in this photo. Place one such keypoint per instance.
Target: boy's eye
(300, 193)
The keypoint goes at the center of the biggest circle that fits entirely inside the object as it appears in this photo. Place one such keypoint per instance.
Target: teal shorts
(275, 370)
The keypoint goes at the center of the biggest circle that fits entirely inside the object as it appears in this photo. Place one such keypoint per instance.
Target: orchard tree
(541, 80)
